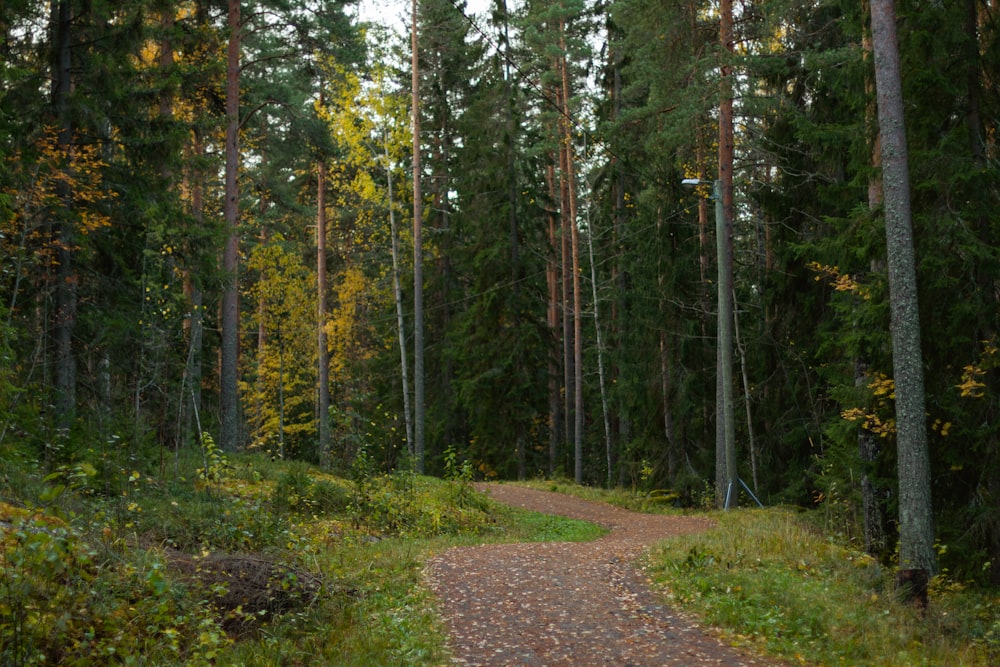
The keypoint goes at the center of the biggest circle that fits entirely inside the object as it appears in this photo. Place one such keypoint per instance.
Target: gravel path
(580, 604)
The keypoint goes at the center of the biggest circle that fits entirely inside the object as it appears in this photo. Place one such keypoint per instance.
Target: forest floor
(570, 603)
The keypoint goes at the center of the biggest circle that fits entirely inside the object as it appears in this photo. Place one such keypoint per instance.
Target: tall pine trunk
(397, 290)
(229, 353)
(574, 240)
(194, 324)
(874, 495)
(418, 257)
(917, 560)
(725, 410)
(65, 297)
(322, 351)
(553, 321)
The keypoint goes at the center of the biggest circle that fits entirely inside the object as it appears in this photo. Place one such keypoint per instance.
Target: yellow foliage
(348, 334)
(67, 179)
(973, 375)
(841, 282)
(10, 514)
(882, 385)
(883, 391)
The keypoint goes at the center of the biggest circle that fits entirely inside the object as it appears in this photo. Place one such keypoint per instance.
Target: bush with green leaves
(65, 598)
(299, 492)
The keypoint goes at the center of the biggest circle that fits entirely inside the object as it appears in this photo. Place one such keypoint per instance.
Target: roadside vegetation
(786, 584)
(232, 560)
(244, 560)
(792, 584)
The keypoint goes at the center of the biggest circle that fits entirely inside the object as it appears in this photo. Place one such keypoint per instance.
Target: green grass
(89, 575)
(772, 581)
(106, 565)
(657, 501)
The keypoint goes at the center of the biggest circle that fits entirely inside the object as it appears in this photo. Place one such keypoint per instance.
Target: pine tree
(916, 533)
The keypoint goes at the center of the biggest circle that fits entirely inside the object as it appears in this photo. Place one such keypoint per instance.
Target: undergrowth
(240, 560)
(771, 580)
(219, 559)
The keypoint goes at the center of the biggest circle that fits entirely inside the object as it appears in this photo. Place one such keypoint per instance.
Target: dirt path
(579, 604)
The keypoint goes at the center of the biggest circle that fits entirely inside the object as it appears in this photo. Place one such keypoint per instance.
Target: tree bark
(194, 324)
(605, 411)
(418, 256)
(724, 230)
(917, 559)
(228, 371)
(552, 319)
(397, 290)
(873, 494)
(574, 231)
(322, 351)
(65, 297)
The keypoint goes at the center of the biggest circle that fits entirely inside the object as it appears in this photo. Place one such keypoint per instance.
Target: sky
(396, 13)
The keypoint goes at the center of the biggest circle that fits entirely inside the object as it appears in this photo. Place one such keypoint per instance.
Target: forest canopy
(207, 226)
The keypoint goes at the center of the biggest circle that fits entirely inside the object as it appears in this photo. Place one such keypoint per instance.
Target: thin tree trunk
(605, 412)
(64, 240)
(259, 418)
(229, 353)
(917, 560)
(973, 114)
(323, 352)
(194, 324)
(619, 306)
(873, 494)
(418, 257)
(724, 230)
(666, 390)
(515, 260)
(567, 145)
(552, 319)
(397, 289)
(751, 440)
(566, 283)
(281, 396)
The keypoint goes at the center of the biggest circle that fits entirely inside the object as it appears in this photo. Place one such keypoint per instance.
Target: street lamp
(726, 411)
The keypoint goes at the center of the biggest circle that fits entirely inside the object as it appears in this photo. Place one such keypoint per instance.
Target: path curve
(569, 603)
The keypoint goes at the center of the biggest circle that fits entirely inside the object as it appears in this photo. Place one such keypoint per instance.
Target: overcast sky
(396, 13)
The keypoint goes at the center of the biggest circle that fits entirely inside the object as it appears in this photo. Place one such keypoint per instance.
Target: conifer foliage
(161, 274)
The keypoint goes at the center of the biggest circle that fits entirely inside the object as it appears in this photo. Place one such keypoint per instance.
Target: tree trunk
(973, 114)
(619, 305)
(230, 316)
(666, 391)
(873, 494)
(194, 324)
(565, 283)
(552, 319)
(605, 412)
(574, 239)
(322, 351)
(751, 439)
(917, 560)
(418, 257)
(65, 297)
(397, 290)
(724, 230)
(520, 370)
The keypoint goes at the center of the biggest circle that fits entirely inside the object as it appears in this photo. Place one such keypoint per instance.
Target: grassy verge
(246, 561)
(233, 561)
(770, 580)
(656, 501)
